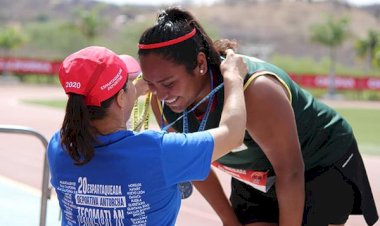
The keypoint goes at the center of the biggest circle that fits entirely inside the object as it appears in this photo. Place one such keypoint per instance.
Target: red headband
(169, 42)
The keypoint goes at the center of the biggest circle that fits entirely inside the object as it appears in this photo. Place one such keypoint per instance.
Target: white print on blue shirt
(103, 204)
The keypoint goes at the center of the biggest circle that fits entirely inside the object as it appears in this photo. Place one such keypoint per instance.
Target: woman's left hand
(141, 86)
(233, 63)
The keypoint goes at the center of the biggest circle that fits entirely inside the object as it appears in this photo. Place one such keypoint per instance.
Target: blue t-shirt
(131, 180)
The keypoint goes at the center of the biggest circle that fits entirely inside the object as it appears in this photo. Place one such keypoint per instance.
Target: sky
(158, 2)
(154, 2)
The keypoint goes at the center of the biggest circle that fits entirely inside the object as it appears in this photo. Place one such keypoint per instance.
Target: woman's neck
(108, 125)
(206, 89)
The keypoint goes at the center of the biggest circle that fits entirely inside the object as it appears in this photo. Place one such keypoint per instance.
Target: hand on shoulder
(232, 65)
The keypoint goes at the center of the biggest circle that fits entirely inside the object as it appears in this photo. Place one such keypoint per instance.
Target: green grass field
(50, 103)
(366, 126)
(365, 123)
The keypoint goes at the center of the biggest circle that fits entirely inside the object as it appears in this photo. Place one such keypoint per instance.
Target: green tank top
(324, 136)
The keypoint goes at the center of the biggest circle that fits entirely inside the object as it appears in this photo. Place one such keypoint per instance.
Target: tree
(10, 39)
(90, 23)
(377, 57)
(63, 37)
(332, 33)
(367, 47)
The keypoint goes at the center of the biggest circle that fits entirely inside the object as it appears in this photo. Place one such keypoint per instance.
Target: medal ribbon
(186, 112)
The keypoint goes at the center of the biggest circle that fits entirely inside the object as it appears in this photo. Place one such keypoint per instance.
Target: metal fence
(46, 189)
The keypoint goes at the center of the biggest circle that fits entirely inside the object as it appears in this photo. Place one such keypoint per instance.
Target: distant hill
(36, 10)
(373, 9)
(261, 28)
(285, 27)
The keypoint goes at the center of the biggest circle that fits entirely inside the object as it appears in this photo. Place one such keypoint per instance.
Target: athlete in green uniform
(299, 164)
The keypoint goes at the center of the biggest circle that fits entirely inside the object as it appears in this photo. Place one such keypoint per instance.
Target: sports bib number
(256, 179)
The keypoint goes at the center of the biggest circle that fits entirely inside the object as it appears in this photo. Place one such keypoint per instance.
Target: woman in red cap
(106, 175)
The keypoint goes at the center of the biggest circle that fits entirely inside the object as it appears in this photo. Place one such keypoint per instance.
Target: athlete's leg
(329, 199)
(261, 224)
(253, 207)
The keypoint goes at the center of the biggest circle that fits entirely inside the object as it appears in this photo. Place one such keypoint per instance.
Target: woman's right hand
(230, 133)
(233, 63)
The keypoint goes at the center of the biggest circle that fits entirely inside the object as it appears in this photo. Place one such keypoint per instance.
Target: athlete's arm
(229, 135)
(230, 132)
(211, 188)
(212, 191)
(272, 125)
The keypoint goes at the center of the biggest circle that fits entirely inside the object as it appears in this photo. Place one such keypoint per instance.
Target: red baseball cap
(94, 72)
(133, 65)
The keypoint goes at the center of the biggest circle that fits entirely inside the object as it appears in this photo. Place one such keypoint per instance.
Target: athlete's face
(171, 82)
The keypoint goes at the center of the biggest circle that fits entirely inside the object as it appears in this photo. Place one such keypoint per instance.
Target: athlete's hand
(141, 86)
(233, 64)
